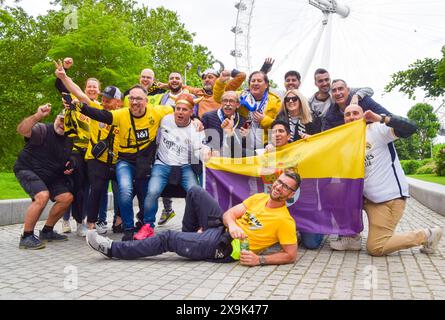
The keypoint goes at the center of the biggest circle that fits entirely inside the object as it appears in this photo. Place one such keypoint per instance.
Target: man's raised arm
(25, 127)
(70, 85)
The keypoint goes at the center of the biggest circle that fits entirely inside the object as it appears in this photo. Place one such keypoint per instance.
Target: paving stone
(319, 274)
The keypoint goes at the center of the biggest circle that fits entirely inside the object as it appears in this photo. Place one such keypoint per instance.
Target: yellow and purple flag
(331, 165)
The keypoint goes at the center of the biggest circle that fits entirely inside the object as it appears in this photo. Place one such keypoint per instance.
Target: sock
(28, 234)
(47, 229)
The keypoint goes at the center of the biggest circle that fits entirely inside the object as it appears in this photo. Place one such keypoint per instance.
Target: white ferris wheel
(361, 41)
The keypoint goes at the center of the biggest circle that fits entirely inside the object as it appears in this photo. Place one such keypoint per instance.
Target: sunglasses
(289, 99)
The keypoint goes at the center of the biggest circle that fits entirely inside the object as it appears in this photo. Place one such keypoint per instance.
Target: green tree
(427, 74)
(113, 41)
(419, 145)
(101, 48)
(171, 42)
(439, 159)
(23, 43)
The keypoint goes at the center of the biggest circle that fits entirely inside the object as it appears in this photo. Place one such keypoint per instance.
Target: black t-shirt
(45, 153)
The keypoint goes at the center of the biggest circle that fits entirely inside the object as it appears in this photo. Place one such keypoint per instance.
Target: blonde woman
(296, 112)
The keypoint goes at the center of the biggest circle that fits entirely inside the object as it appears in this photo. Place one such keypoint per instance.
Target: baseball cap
(210, 71)
(112, 92)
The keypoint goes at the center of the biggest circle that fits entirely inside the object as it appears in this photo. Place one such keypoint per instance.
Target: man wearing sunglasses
(208, 234)
(281, 135)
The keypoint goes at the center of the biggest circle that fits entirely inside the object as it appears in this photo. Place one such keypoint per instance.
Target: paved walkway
(71, 270)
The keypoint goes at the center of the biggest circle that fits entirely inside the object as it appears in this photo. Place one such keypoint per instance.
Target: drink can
(244, 244)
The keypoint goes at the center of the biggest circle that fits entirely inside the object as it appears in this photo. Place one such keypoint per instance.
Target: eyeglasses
(284, 186)
(289, 99)
(138, 99)
(229, 101)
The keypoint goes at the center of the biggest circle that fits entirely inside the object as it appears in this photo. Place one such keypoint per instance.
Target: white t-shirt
(384, 176)
(176, 144)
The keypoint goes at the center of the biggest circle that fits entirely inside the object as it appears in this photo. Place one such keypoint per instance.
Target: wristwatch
(262, 260)
(383, 117)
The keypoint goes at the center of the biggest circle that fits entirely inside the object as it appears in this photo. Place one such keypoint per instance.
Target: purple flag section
(324, 205)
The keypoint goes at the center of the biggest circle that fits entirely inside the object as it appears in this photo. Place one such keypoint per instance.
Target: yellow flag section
(336, 153)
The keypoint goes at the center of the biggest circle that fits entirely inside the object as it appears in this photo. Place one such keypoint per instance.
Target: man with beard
(262, 219)
(138, 126)
(40, 169)
(224, 127)
(322, 100)
(209, 77)
(281, 135)
(175, 88)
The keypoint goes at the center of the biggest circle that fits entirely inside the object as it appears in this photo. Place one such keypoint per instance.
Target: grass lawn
(10, 188)
(429, 178)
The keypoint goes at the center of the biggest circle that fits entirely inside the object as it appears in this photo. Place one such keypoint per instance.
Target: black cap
(112, 92)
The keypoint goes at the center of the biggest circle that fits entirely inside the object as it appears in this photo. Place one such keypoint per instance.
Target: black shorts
(33, 184)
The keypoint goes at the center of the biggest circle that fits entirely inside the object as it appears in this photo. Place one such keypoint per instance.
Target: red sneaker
(145, 232)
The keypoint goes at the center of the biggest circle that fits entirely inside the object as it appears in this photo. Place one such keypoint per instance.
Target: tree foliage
(427, 74)
(113, 41)
(418, 146)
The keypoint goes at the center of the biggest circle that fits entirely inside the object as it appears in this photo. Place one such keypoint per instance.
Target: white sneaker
(99, 243)
(81, 229)
(101, 227)
(347, 243)
(66, 226)
(433, 237)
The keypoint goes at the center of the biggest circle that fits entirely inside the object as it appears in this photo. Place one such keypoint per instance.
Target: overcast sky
(378, 38)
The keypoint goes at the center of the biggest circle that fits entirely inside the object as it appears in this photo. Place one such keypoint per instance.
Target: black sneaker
(31, 243)
(139, 224)
(118, 228)
(166, 216)
(52, 236)
(128, 235)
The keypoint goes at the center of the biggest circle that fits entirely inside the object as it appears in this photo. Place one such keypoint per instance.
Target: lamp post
(188, 66)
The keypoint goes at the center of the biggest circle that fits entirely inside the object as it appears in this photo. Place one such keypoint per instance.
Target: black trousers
(201, 211)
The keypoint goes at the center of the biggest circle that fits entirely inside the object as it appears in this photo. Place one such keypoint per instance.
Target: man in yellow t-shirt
(263, 219)
(138, 126)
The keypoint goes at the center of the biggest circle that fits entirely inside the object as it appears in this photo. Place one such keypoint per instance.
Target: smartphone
(247, 124)
(69, 100)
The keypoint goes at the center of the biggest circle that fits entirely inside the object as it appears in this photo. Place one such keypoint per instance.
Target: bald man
(385, 188)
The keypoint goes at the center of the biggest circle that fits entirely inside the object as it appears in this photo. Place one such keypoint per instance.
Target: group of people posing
(152, 140)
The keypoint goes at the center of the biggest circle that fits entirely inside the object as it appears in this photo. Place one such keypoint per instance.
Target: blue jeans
(311, 240)
(125, 175)
(160, 174)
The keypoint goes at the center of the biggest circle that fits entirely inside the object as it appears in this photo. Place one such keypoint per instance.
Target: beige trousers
(383, 218)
